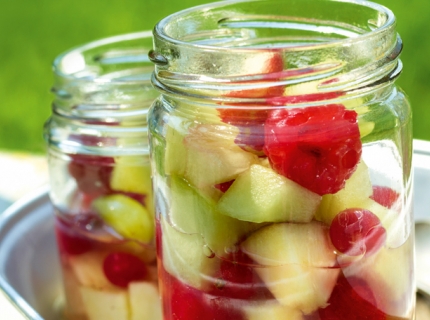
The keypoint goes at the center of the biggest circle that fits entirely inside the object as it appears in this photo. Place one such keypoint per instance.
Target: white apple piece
(262, 195)
(297, 263)
(389, 274)
(131, 174)
(75, 305)
(106, 305)
(145, 303)
(88, 269)
(271, 310)
(211, 155)
(357, 190)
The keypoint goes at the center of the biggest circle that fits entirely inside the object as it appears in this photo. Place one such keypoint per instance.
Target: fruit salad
(105, 235)
(276, 211)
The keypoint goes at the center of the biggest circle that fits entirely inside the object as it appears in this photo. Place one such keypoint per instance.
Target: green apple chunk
(389, 274)
(192, 212)
(105, 305)
(176, 155)
(262, 195)
(127, 216)
(298, 263)
(271, 310)
(88, 269)
(357, 190)
(184, 256)
(131, 174)
(145, 303)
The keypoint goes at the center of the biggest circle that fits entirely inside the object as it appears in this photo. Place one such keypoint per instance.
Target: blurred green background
(34, 32)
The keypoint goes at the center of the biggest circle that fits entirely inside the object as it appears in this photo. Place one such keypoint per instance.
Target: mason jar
(281, 158)
(100, 183)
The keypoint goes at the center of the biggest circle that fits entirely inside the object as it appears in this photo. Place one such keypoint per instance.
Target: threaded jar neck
(215, 50)
(102, 95)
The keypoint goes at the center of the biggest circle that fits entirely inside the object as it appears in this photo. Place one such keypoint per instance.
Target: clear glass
(281, 158)
(100, 179)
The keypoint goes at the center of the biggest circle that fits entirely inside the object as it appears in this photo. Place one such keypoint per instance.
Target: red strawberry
(92, 173)
(224, 186)
(317, 147)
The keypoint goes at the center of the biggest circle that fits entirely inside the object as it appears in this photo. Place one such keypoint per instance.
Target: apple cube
(389, 274)
(194, 213)
(88, 269)
(131, 174)
(358, 189)
(127, 216)
(271, 310)
(145, 303)
(298, 263)
(105, 305)
(184, 256)
(74, 306)
(262, 195)
(210, 155)
(356, 194)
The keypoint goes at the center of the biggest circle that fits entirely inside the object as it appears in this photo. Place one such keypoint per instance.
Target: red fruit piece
(317, 147)
(183, 302)
(237, 279)
(249, 117)
(356, 232)
(69, 239)
(385, 196)
(351, 299)
(92, 173)
(121, 268)
(269, 68)
(223, 187)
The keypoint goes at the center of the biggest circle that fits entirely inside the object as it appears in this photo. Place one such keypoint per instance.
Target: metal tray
(29, 268)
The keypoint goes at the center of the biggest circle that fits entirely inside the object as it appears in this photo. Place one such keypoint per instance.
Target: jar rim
(71, 64)
(160, 27)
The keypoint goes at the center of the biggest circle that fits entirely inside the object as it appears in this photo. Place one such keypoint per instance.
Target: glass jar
(100, 179)
(281, 156)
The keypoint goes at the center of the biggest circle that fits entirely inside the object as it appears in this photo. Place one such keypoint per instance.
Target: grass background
(34, 32)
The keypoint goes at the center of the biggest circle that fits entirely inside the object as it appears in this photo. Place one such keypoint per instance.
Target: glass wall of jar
(100, 179)
(281, 151)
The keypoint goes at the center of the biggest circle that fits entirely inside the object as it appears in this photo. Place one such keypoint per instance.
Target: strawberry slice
(385, 196)
(92, 173)
(317, 147)
(250, 117)
(121, 268)
(183, 302)
(224, 186)
(69, 240)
